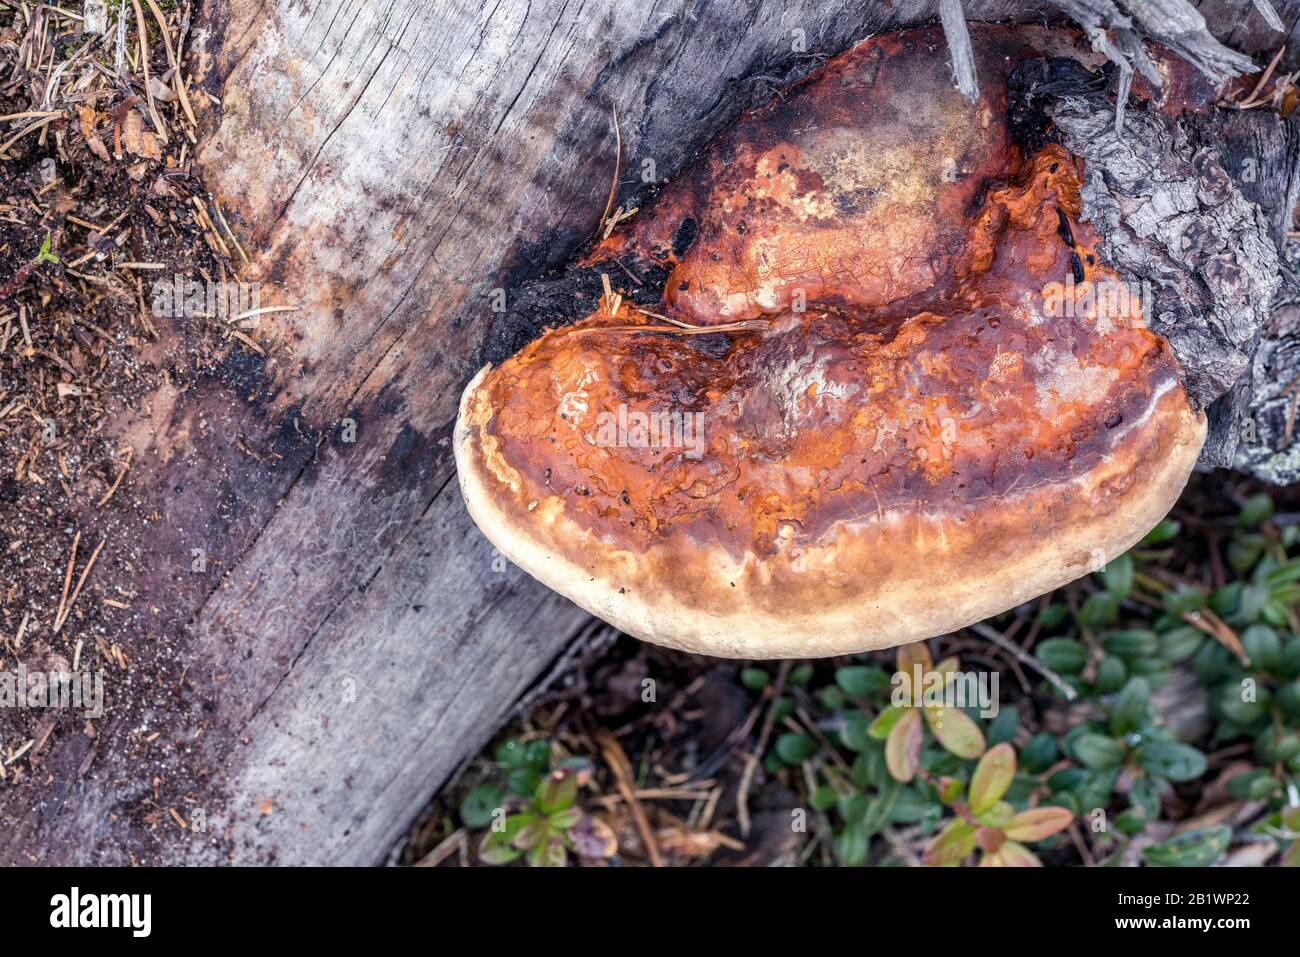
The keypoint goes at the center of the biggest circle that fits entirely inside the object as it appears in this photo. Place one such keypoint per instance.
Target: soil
(81, 344)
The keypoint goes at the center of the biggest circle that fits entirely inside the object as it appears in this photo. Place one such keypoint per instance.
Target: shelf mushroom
(889, 388)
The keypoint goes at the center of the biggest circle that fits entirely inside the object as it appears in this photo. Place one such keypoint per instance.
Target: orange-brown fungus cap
(943, 403)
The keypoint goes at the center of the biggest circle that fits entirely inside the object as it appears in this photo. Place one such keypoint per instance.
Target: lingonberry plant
(534, 813)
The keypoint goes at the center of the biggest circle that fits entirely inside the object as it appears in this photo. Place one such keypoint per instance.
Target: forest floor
(100, 209)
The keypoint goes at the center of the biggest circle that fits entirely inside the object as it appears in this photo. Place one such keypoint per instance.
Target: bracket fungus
(932, 400)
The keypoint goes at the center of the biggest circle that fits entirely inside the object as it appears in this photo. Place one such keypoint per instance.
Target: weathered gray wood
(389, 165)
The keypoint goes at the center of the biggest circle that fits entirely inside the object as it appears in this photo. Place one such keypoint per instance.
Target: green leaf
(1111, 674)
(1264, 789)
(1097, 787)
(1241, 712)
(1131, 644)
(557, 792)
(1169, 759)
(863, 771)
(884, 722)
(1224, 601)
(755, 679)
(824, 798)
(950, 790)
(853, 733)
(992, 778)
(1063, 655)
(549, 853)
(1054, 615)
(1244, 552)
(795, 748)
(1040, 753)
(953, 844)
(1274, 613)
(1155, 671)
(1246, 786)
(860, 681)
(1274, 745)
(1257, 510)
(912, 808)
(832, 698)
(1131, 707)
(1130, 821)
(1199, 848)
(477, 809)
(1288, 698)
(498, 847)
(1285, 573)
(1067, 800)
(1184, 599)
(563, 820)
(1100, 608)
(1144, 796)
(1286, 594)
(1003, 726)
(1117, 576)
(853, 807)
(1263, 647)
(956, 731)
(782, 708)
(46, 255)
(852, 845)
(1253, 599)
(512, 754)
(1165, 531)
(903, 747)
(1067, 779)
(537, 755)
(879, 811)
(1180, 644)
(1098, 751)
(523, 781)
(800, 676)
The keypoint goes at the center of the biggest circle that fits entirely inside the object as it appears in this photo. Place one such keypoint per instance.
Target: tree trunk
(389, 165)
